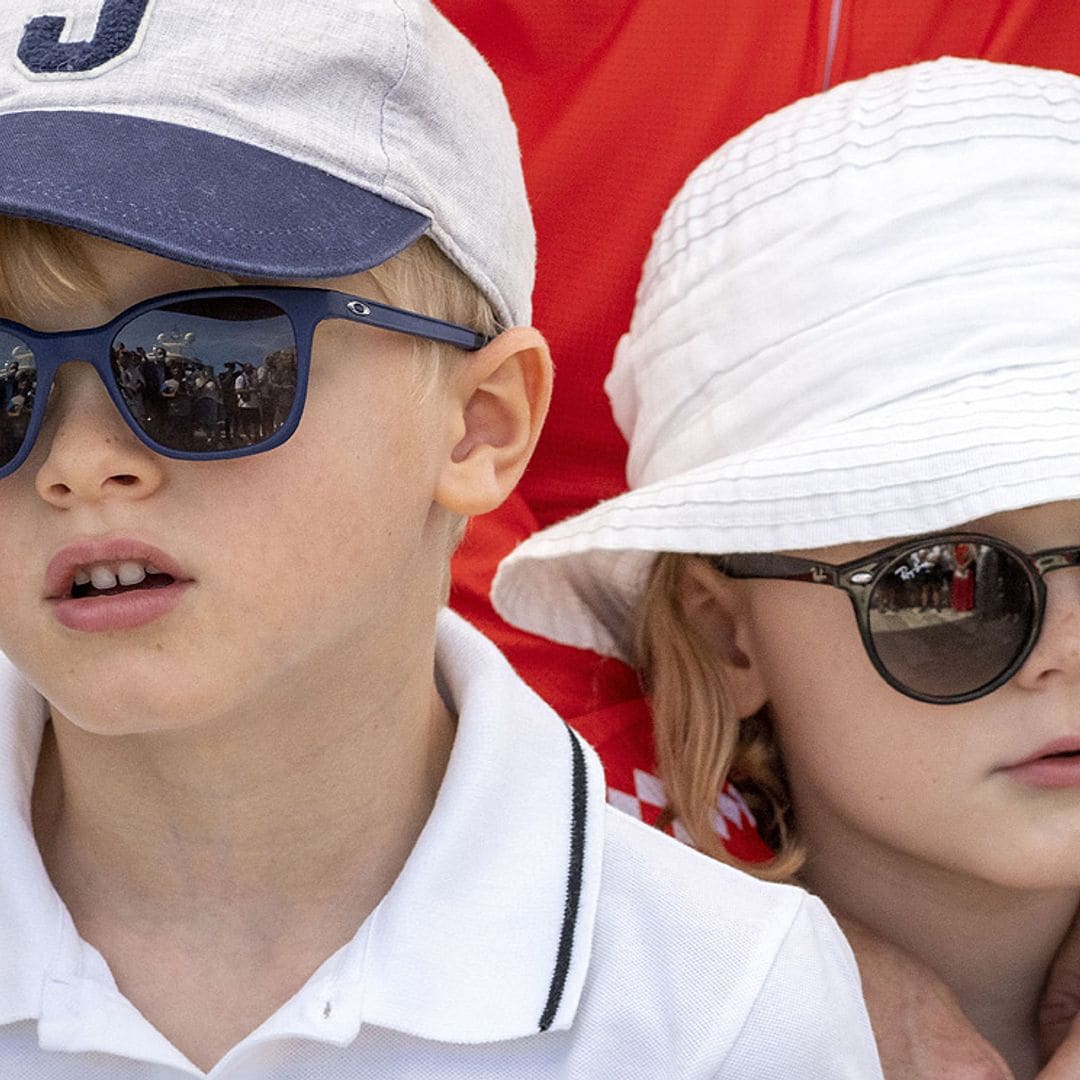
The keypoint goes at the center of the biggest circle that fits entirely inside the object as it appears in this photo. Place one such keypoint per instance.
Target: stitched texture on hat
(41, 50)
(857, 321)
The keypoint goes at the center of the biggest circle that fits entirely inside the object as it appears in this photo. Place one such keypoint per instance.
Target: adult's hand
(1065, 1064)
(1059, 1033)
(921, 1031)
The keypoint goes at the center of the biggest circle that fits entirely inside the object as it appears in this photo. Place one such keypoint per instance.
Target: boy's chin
(101, 711)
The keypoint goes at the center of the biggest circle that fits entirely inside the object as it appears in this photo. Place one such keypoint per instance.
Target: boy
(265, 809)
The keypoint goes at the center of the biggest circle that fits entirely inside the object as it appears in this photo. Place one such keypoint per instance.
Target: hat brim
(941, 458)
(196, 197)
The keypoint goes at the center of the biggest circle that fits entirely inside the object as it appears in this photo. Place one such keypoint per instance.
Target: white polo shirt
(534, 933)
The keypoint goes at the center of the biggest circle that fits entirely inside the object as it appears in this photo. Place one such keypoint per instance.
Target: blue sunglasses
(199, 375)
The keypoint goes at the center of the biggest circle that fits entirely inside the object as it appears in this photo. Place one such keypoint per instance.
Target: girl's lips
(1055, 765)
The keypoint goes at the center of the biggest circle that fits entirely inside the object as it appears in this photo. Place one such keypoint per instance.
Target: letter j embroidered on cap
(117, 37)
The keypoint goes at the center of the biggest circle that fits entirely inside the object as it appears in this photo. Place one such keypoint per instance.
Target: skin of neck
(991, 945)
(307, 802)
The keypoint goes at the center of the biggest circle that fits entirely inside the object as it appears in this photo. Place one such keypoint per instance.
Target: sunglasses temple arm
(776, 567)
(409, 322)
(1056, 559)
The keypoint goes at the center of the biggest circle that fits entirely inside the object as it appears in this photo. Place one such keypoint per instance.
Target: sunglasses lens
(211, 374)
(18, 381)
(946, 620)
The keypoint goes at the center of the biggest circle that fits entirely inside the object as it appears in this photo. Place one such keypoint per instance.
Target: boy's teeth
(105, 576)
(130, 573)
(101, 577)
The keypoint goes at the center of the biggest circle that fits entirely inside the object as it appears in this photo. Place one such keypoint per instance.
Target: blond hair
(44, 262)
(701, 742)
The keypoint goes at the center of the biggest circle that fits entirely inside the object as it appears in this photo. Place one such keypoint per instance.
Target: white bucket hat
(859, 320)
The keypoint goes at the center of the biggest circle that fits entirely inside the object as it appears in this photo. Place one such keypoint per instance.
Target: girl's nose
(1057, 653)
(86, 451)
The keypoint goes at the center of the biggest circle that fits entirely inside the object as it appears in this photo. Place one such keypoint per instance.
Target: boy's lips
(85, 554)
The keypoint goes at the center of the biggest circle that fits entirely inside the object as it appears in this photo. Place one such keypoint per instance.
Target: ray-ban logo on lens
(117, 37)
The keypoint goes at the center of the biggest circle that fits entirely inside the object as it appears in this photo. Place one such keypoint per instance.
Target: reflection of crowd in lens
(936, 578)
(186, 405)
(17, 390)
(953, 578)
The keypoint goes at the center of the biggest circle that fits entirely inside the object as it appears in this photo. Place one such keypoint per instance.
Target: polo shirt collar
(31, 913)
(487, 932)
(485, 935)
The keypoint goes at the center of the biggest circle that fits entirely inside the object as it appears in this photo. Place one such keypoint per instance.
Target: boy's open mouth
(104, 579)
(113, 584)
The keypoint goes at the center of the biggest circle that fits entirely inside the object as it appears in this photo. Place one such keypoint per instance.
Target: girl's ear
(716, 607)
(498, 397)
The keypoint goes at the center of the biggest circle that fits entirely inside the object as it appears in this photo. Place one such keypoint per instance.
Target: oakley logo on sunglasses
(117, 37)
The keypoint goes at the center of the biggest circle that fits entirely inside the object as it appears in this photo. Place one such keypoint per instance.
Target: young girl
(857, 341)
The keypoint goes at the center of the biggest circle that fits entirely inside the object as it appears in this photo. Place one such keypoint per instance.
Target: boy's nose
(90, 454)
(1057, 652)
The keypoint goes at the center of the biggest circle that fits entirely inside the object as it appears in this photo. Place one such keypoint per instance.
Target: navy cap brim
(195, 197)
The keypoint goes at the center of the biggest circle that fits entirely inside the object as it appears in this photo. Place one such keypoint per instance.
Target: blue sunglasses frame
(305, 307)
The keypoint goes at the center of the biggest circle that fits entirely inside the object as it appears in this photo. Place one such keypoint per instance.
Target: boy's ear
(717, 609)
(499, 397)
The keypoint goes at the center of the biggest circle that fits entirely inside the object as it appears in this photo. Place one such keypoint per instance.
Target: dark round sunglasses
(944, 619)
(206, 374)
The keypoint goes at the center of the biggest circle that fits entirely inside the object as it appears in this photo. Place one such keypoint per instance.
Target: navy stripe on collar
(573, 885)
